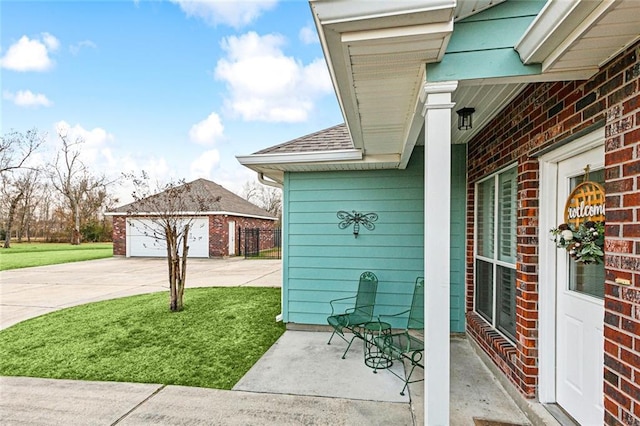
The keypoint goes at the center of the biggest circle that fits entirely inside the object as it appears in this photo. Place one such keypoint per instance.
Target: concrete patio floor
(299, 381)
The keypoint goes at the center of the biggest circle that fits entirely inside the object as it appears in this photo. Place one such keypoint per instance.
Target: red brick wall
(119, 236)
(622, 244)
(543, 115)
(218, 232)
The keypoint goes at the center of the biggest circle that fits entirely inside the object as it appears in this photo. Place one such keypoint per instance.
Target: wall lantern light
(465, 118)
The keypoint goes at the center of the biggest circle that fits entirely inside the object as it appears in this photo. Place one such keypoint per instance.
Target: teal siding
(482, 46)
(458, 236)
(322, 262)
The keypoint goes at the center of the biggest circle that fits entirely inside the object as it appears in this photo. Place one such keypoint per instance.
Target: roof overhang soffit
(578, 35)
(376, 52)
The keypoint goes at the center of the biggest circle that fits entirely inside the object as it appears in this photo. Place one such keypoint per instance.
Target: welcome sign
(585, 203)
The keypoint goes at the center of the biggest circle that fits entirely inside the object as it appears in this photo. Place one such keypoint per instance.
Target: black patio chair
(361, 313)
(409, 344)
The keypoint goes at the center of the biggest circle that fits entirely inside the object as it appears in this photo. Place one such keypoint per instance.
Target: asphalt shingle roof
(331, 139)
(207, 190)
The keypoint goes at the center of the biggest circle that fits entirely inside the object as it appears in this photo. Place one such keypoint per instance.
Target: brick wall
(219, 232)
(119, 236)
(542, 116)
(622, 243)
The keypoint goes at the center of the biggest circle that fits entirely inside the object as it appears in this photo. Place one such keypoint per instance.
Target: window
(495, 258)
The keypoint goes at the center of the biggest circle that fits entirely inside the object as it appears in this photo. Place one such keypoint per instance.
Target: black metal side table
(373, 356)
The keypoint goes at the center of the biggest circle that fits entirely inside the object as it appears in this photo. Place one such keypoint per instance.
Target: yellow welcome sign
(585, 203)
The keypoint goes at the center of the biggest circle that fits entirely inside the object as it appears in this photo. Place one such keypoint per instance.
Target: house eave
(190, 214)
(578, 36)
(376, 52)
(301, 157)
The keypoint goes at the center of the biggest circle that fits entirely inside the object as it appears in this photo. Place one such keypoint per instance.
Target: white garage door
(142, 241)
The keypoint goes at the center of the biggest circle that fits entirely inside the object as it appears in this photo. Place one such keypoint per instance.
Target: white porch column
(437, 200)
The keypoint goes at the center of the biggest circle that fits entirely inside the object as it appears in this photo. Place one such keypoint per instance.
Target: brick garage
(229, 210)
(542, 117)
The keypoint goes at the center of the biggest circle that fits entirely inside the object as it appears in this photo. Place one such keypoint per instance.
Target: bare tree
(165, 207)
(73, 180)
(15, 149)
(266, 197)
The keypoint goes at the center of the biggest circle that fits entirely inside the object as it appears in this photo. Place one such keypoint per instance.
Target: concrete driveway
(30, 292)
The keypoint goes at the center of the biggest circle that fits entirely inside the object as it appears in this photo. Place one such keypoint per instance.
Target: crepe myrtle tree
(169, 209)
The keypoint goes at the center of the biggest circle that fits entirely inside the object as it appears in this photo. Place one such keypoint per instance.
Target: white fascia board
(335, 12)
(301, 157)
(550, 28)
(190, 214)
(398, 32)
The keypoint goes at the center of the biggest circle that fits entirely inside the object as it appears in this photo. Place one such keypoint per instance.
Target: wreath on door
(585, 244)
(582, 233)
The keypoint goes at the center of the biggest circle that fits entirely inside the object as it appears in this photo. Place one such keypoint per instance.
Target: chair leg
(348, 346)
(332, 334)
(407, 381)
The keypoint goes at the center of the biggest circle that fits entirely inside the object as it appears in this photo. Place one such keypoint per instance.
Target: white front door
(580, 310)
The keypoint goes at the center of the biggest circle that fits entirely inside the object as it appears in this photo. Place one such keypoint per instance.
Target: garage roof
(203, 197)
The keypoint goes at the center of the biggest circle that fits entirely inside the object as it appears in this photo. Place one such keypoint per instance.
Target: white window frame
(495, 260)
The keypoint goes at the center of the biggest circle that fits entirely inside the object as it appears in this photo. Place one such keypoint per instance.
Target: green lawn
(24, 255)
(220, 334)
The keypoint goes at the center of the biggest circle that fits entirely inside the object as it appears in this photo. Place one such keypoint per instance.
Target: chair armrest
(380, 317)
(337, 300)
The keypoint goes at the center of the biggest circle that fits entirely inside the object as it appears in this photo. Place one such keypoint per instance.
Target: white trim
(437, 201)
(301, 157)
(544, 34)
(397, 32)
(493, 261)
(547, 257)
(346, 11)
(187, 213)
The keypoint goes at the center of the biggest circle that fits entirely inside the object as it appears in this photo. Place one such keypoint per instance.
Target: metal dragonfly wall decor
(355, 218)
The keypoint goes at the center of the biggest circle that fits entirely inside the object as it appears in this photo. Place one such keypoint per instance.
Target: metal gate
(260, 243)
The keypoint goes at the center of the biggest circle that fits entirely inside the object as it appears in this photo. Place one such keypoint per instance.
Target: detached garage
(214, 229)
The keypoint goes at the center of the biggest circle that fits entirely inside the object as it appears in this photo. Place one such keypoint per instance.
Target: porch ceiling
(377, 53)
(580, 35)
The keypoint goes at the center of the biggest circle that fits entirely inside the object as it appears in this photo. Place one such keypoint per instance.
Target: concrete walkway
(299, 381)
(30, 292)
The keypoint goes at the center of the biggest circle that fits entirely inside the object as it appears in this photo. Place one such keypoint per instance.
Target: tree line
(61, 199)
(56, 200)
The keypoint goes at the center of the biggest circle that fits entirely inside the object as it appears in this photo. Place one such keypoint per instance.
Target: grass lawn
(212, 343)
(24, 255)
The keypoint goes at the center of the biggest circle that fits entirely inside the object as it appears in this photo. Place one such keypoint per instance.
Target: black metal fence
(260, 243)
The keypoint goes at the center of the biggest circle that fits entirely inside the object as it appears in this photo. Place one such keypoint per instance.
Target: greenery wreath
(584, 244)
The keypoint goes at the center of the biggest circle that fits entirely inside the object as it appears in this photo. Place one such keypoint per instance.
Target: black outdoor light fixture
(465, 118)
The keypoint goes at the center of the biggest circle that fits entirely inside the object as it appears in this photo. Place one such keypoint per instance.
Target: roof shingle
(207, 190)
(332, 139)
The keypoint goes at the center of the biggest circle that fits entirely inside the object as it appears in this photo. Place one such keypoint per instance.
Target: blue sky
(177, 88)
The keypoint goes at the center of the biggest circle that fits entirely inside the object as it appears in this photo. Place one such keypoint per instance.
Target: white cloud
(75, 48)
(26, 98)
(202, 166)
(237, 13)
(267, 85)
(207, 131)
(50, 41)
(30, 55)
(308, 35)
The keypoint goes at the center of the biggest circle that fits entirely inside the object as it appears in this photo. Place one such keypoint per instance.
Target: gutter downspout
(273, 184)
